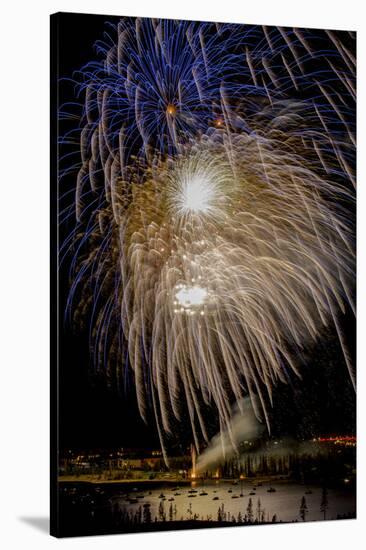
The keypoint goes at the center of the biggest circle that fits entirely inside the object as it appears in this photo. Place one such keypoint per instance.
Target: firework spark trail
(223, 291)
(214, 238)
(162, 82)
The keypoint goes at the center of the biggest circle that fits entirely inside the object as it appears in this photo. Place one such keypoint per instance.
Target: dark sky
(93, 415)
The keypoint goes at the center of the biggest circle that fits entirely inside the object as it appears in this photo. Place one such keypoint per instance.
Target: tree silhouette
(162, 515)
(146, 514)
(250, 511)
(219, 516)
(303, 509)
(324, 502)
(259, 510)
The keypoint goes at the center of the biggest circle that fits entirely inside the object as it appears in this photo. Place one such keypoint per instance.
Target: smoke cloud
(244, 426)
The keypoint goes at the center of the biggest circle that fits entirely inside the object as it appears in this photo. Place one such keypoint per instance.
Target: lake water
(284, 501)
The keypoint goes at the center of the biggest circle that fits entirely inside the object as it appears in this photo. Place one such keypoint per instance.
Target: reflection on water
(268, 499)
(90, 508)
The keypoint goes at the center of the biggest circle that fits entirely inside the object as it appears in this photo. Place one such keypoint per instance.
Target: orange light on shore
(336, 438)
(341, 440)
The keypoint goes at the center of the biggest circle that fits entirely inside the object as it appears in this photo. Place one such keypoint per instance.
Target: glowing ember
(191, 296)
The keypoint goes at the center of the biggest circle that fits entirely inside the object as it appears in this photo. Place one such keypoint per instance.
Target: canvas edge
(54, 401)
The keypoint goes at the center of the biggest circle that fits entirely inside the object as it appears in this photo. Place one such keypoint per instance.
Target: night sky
(93, 415)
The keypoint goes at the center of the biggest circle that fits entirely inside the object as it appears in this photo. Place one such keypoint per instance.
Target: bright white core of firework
(191, 296)
(198, 193)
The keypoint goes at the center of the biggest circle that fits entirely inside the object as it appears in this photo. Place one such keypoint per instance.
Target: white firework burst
(232, 259)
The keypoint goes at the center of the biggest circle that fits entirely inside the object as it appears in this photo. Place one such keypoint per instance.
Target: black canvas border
(54, 298)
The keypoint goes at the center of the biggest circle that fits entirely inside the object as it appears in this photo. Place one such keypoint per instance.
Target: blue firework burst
(158, 85)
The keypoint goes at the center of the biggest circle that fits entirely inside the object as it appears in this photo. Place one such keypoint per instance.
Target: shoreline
(176, 481)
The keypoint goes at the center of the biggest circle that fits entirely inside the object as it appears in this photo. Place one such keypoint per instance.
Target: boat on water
(170, 499)
(230, 491)
(161, 495)
(271, 490)
(251, 493)
(177, 494)
(191, 491)
(191, 496)
(215, 498)
(235, 496)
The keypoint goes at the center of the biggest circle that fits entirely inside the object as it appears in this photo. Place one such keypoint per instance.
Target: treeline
(142, 515)
(325, 466)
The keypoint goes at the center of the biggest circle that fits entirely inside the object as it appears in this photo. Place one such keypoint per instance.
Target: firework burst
(214, 237)
(219, 296)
